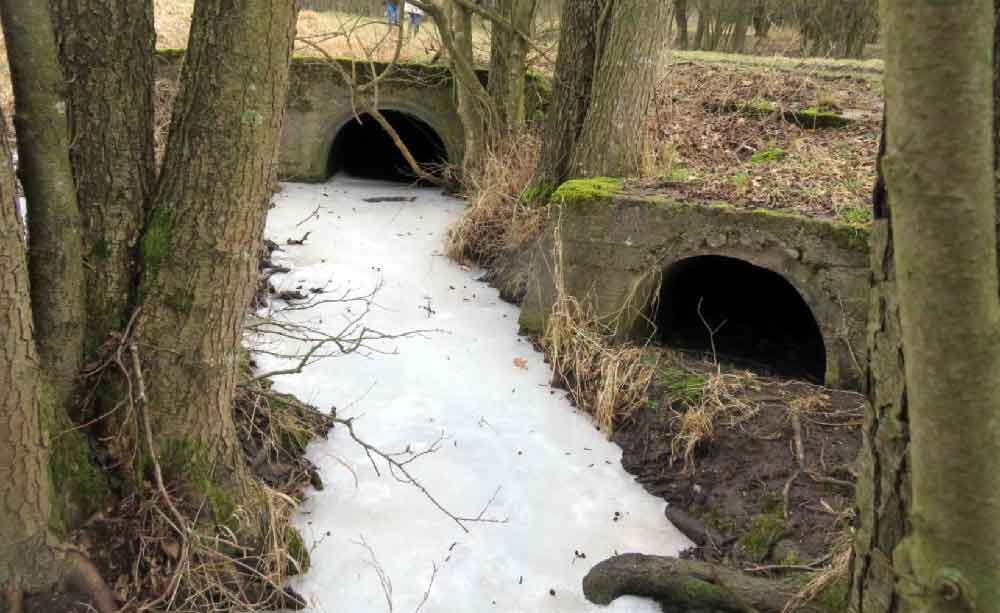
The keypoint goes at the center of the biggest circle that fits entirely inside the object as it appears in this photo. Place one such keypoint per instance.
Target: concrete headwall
(615, 248)
(319, 105)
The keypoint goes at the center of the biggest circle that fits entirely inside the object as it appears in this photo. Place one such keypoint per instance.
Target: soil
(721, 131)
(734, 485)
(135, 551)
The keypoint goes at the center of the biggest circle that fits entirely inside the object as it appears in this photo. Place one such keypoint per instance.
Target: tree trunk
(55, 262)
(681, 16)
(106, 50)
(474, 106)
(939, 175)
(574, 75)
(883, 485)
(508, 63)
(30, 558)
(613, 140)
(201, 242)
(24, 483)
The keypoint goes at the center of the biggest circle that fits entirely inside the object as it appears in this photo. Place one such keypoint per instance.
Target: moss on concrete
(596, 190)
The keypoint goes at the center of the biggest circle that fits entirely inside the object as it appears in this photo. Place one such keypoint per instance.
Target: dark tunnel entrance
(363, 149)
(760, 320)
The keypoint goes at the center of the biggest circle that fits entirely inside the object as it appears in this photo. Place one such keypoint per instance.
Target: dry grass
(497, 219)
(605, 379)
(718, 402)
(763, 161)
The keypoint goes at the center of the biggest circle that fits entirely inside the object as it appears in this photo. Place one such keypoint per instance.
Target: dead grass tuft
(720, 401)
(497, 219)
(608, 380)
(828, 578)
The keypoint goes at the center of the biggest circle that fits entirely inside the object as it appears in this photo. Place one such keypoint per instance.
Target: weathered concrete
(616, 247)
(319, 105)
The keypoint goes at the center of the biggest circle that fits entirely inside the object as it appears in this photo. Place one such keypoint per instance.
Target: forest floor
(760, 467)
(743, 130)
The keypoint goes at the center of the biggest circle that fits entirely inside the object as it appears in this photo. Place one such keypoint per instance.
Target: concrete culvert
(760, 320)
(363, 149)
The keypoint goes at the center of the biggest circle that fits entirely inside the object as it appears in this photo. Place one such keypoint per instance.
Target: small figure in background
(392, 12)
(416, 15)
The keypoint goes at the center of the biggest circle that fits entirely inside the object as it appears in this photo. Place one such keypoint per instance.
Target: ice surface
(560, 482)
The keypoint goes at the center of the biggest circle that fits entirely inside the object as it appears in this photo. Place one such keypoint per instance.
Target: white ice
(560, 481)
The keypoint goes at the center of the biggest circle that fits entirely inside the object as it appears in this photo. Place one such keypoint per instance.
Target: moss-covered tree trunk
(106, 50)
(31, 560)
(630, 46)
(928, 539)
(939, 175)
(55, 261)
(200, 247)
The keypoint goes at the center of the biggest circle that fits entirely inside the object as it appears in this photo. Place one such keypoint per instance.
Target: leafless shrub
(498, 217)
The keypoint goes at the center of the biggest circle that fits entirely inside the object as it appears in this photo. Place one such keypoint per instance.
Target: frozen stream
(561, 487)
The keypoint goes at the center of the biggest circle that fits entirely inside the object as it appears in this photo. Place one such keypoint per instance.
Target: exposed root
(690, 585)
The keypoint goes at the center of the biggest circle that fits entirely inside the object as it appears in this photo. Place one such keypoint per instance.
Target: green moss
(192, 463)
(682, 386)
(101, 249)
(760, 106)
(856, 216)
(774, 154)
(297, 552)
(155, 243)
(814, 117)
(721, 523)
(699, 592)
(170, 54)
(852, 237)
(597, 189)
(79, 488)
(765, 529)
(834, 596)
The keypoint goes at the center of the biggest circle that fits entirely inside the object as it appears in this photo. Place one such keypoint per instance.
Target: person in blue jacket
(392, 12)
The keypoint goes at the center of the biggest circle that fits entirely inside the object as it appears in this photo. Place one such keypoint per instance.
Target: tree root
(74, 574)
(80, 575)
(688, 585)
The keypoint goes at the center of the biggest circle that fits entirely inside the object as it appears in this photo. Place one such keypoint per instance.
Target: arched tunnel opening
(362, 148)
(754, 317)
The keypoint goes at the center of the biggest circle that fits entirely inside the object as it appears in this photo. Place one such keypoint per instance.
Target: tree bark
(572, 83)
(681, 17)
(613, 140)
(30, 558)
(508, 62)
(939, 175)
(55, 262)
(106, 50)
(200, 246)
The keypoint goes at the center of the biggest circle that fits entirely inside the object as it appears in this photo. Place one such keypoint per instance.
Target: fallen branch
(688, 584)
